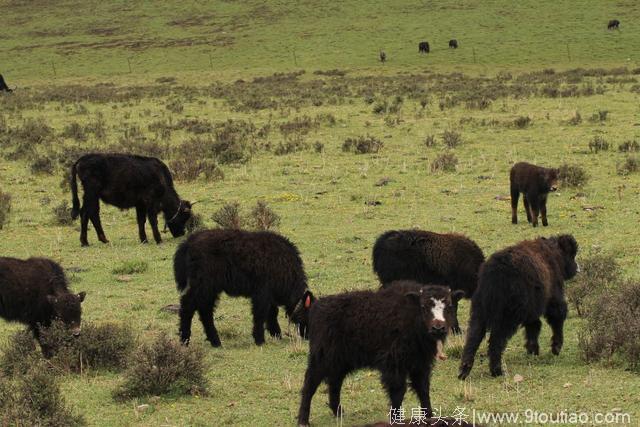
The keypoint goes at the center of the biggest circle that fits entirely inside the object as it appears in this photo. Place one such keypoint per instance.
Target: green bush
(164, 367)
(131, 267)
(445, 162)
(572, 175)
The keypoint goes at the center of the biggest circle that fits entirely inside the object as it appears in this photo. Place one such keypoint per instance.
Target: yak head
(66, 307)
(568, 248)
(436, 308)
(177, 222)
(551, 179)
(300, 314)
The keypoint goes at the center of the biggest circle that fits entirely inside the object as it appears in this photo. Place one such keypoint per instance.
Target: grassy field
(293, 128)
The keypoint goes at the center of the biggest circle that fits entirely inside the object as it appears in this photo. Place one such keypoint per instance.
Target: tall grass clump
(598, 144)
(612, 327)
(629, 166)
(597, 273)
(445, 162)
(228, 216)
(451, 138)
(263, 218)
(362, 145)
(164, 367)
(5, 208)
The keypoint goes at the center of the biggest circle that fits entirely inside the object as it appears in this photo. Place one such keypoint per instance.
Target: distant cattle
(399, 331)
(423, 47)
(453, 44)
(535, 183)
(34, 292)
(3, 85)
(517, 286)
(383, 56)
(448, 259)
(614, 24)
(263, 266)
(127, 181)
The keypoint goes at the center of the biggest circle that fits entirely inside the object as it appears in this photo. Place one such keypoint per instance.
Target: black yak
(263, 266)
(614, 24)
(453, 44)
(535, 183)
(517, 286)
(448, 259)
(127, 181)
(423, 47)
(399, 331)
(3, 85)
(34, 292)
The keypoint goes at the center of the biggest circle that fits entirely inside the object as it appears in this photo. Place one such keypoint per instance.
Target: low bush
(445, 162)
(630, 146)
(362, 145)
(598, 144)
(62, 213)
(629, 166)
(522, 122)
(451, 138)
(573, 175)
(597, 273)
(263, 218)
(228, 216)
(131, 267)
(164, 367)
(430, 141)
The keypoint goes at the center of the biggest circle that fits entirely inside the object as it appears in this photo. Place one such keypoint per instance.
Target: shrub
(34, 399)
(430, 141)
(597, 272)
(451, 138)
(175, 106)
(522, 122)
(291, 145)
(612, 327)
(318, 147)
(228, 216)
(20, 353)
(263, 217)
(74, 130)
(445, 162)
(190, 169)
(42, 165)
(164, 367)
(362, 145)
(195, 223)
(104, 346)
(630, 165)
(572, 175)
(600, 116)
(576, 119)
(598, 144)
(630, 146)
(62, 214)
(131, 267)
(5, 208)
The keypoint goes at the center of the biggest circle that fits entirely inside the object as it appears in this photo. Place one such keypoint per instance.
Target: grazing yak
(423, 47)
(263, 266)
(3, 85)
(535, 183)
(398, 331)
(34, 292)
(614, 24)
(448, 259)
(127, 181)
(517, 286)
(453, 44)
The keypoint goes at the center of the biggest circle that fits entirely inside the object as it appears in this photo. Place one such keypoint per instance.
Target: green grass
(325, 198)
(228, 38)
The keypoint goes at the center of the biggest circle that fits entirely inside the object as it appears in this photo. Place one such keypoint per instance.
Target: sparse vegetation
(228, 216)
(573, 175)
(131, 267)
(598, 144)
(451, 138)
(62, 213)
(5, 208)
(599, 272)
(630, 165)
(263, 217)
(362, 145)
(445, 162)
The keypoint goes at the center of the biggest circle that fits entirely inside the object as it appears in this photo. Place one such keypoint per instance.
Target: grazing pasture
(341, 152)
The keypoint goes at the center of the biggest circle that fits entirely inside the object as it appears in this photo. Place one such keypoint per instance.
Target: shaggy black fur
(391, 330)
(263, 266)
(127, 181)
(614, 24)
(453, 44)
(34, 292)
(535, 183)
(447, 259)
(517, 286)
(423, 47)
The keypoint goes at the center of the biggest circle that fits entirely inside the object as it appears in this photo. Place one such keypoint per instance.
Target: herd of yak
(398, 329)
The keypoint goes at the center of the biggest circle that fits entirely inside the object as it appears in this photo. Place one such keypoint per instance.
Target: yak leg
(260, 309)
(534, 207)
(543, 211)
(532, 332)
(141, 214)
(477, 329)
(97, 224)
(205, 311)
(420, 383)
(312, 379)
(527, 208)
(272, 322)
(556, 314)
(89, 203)
(335, 385)
(187, 310)
(395, 382)
(153, 220)
(515, 195)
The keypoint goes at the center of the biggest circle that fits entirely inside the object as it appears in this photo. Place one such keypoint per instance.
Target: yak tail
(75, 210)
(180, 268)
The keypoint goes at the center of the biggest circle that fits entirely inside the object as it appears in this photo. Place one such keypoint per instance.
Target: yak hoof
(555, 349)
(84, 244)
(533, 349)
(456, 330)
(465, 370)
(496, 372)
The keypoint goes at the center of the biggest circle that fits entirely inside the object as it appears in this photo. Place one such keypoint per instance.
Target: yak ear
(457, 295)
(414, 296)
(308, 299)
(82, 295)
(52, 299)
